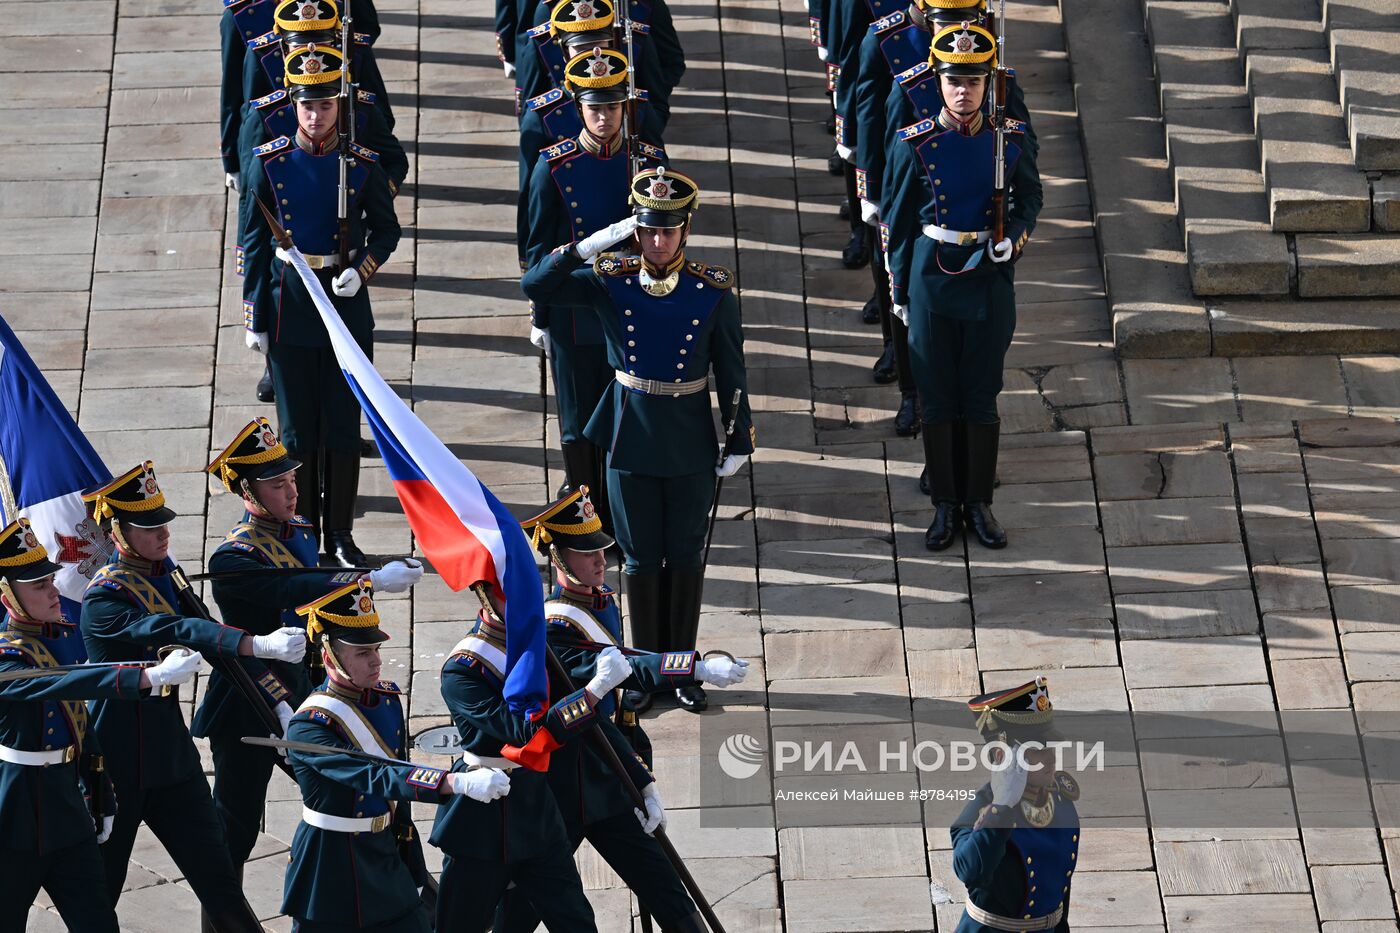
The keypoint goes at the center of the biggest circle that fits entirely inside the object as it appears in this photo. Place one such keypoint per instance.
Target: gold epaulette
(718, 276)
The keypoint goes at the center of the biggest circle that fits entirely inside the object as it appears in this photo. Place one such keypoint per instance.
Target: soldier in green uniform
(583, 618)
(520, 841)
(356, 861)
(133, 607)
(955, 285)
(49, 759)
(1018, 840)
(298, 176)
(668, 322)
(254, 597)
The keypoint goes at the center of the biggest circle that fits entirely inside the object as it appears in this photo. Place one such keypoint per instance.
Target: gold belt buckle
(379, 822)
(966, 238)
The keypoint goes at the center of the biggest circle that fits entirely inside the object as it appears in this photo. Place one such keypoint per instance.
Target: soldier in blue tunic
(522, 840)
(49, 759)
(356, 861)
(317, 414)
(583, 618)
(668, 321)
(133, 607)
(578, 186)
(1018, 840)
(567, 28)
(955, 283)
(271, 536)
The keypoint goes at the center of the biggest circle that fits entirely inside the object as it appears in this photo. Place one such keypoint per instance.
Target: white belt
(316, 260)
(657, 387)
(1014, 924)
(486, 761)
(346, 824)
(956, 237)
(58, 756)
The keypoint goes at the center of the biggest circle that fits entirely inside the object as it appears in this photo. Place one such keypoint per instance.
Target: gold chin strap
(11, 597)
(121, 541)
(245, 489)
(563, 568)
(329, 654)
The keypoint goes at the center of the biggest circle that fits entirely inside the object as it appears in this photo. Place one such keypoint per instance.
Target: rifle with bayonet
(629, 108)
(998, 108)
(347, 128)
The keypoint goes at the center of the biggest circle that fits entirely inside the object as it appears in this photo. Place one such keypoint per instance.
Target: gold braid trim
(103, 508)
(315, 626)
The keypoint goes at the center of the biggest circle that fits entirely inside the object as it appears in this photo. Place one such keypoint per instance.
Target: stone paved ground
(1206, 534)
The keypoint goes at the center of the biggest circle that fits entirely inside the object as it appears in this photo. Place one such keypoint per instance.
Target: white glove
(285, 644)
(284, 716)
(179, 667)
(509, 69)
(256, 340)
(721, 672)
(901, 312)
(1000, 252)
(845, 152)
(1009, 783)
(612, 670)
(482, 785)
(869, 212)
(231, 180)
(822, 53)
(731, 465)
(397, 575)
(539, 336)
(347, 284)
(656, 813)
(105, 832)
(590, 246)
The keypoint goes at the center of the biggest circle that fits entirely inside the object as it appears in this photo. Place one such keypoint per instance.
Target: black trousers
(471, 888)
(184, 820)
(638, 860)
(241, 775)
(74, 878)
(315, 408)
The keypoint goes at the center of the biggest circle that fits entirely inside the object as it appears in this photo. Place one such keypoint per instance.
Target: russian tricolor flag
(45, 464)
(462, 528)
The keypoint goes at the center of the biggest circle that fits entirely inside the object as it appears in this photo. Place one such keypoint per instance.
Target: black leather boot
(906, 420)
(834, 163)
(938, 455)
(857, 251)
(644, 619)
(923, 481)
(598, 489)
(266, 393)
(580, 465)
(982, 443)
(686, 591)
(342, 489)
(870, 311)
(883, 371)
(309, 491)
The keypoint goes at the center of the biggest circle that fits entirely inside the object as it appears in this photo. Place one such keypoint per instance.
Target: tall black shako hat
(1022, 713)
(256, 453)
(576, 22)
(571, 522)
(345, 614)
(134, 497)
(303, 16)
(314, 72)
(597, 77)
(963, 50)
(22, 558)
(662, 197)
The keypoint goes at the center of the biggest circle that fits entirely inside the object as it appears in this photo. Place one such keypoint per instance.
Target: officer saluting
(271, 537)
(356, 861)
(581, 608)
(668, 322)
(1015, 845)
(578, 186)
(955, 282)
(49, 758)
(131, 608)
(299, 178)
